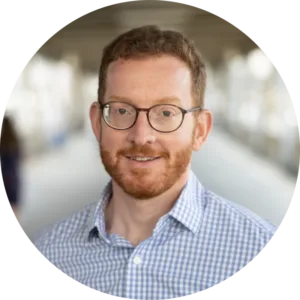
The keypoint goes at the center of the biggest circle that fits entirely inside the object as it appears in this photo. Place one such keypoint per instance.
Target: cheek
(112, 140)
(177, 141)
(185, 134)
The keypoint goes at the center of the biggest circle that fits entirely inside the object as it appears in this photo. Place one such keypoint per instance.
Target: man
(156, 232)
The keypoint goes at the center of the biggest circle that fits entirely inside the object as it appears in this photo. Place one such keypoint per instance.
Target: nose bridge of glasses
(146, 110)
(139, 116)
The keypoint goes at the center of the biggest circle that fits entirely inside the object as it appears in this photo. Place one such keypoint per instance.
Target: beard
(146, 183)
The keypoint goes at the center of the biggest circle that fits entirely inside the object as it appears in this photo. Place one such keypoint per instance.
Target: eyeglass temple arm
(193, 109)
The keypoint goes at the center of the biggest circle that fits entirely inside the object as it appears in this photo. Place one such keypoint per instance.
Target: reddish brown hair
(150, 41)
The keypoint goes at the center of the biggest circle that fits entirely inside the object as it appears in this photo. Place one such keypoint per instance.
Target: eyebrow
(165, 100)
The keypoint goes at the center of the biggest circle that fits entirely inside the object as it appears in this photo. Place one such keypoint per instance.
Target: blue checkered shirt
(203, 240)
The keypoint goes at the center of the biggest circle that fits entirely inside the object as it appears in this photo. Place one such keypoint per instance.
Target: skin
(141, 195)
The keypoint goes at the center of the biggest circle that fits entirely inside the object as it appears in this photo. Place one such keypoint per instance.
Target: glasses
(162, 117)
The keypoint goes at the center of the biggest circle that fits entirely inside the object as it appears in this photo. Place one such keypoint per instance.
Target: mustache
(144, 150)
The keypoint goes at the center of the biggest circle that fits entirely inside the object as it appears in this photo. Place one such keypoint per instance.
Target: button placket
(137, 260)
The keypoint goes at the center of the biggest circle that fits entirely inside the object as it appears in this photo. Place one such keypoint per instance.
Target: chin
(144, 184)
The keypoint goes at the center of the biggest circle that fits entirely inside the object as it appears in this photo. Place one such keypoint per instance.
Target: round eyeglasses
(161, 117)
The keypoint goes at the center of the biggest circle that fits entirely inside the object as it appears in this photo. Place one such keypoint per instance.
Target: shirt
(203, 240)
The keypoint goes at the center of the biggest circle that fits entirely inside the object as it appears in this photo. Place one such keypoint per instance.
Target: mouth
(143, 159)
(140, 161)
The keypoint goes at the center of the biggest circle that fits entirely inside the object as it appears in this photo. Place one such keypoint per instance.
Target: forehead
(147, 81)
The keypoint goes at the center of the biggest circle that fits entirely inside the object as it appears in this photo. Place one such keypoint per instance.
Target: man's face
(145, 83)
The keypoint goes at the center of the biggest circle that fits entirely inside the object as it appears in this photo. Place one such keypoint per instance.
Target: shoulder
(73, 227)
(237, 211)
(242, 226)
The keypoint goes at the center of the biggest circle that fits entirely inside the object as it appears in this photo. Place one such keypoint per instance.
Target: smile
(142, 158)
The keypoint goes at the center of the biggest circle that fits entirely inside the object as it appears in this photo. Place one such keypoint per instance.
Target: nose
(141, 133)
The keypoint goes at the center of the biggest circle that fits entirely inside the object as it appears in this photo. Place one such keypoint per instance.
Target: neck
(134, 219)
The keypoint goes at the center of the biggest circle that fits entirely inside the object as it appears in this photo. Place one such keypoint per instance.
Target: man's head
(143, 68)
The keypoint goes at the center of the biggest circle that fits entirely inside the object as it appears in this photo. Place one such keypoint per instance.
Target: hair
(9, 137)
(150, 41)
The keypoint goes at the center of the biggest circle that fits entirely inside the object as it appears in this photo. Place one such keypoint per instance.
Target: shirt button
(137, 260)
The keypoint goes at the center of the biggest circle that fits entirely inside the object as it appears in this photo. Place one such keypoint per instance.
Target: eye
(122, 111)
(166, 113)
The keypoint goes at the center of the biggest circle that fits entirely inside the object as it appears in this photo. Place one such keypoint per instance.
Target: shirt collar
(189, 207)
(96, 219)
(187, 210)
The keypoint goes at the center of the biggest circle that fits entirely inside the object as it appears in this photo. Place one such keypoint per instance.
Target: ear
(202, 129)
(95, 118)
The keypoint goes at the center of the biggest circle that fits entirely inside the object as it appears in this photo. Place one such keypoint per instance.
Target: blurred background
(251, 157)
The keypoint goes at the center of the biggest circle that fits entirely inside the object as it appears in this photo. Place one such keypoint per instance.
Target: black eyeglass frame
(147, 110)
